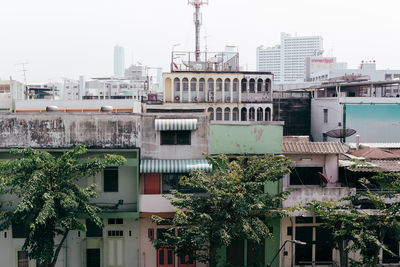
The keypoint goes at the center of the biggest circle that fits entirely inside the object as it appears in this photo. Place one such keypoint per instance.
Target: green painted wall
(272, 245)
(245, 139)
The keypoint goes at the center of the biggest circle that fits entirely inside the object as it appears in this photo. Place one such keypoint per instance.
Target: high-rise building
(286, 60)
(119, 61)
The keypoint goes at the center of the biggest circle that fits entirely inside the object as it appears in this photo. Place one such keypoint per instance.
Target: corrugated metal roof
(174, 165)
(175, 124)
(372, 166)
(380, 145)
(312, 148)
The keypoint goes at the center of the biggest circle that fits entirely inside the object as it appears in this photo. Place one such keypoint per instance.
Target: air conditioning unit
(211, 99)
(177, 98)
(228, 99)
(194, 99)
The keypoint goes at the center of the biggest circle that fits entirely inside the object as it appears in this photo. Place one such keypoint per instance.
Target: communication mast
(197, 22)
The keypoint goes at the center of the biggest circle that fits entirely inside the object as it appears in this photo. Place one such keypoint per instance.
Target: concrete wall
(151, 148)
(335, 117)
(57, 130)
(246, 138)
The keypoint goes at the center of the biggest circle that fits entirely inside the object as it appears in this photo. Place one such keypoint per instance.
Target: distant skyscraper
(119, 61)
(286, 60)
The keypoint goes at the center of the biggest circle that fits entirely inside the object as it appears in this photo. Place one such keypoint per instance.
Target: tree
(232, 205)
(49, 200)
(361, 221)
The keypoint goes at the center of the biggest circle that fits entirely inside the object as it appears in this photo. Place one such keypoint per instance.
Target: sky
(68, 38)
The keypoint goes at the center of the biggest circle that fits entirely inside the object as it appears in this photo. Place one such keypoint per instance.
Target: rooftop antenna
(197, 22)
(24, 70)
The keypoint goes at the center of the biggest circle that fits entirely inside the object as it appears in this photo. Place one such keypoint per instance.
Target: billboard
(374, 122)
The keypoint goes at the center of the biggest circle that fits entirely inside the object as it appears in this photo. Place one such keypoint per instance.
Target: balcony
(304, 194)
(154, 204)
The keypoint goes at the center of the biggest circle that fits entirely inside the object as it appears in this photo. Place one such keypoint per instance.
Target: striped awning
(175, 124)
(174, 165)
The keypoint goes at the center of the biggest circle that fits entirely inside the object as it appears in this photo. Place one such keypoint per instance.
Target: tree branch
(53, 263)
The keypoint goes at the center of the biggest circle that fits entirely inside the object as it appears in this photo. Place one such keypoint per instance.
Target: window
(20, 230)
(23, 260)
(175, 137)
(305, 176)
(324, 137)
(243, 115)
(111, 180)
(252, 85)
(252, 114)
(235, 85)
(325, 115)
(115, 221)
(92, 230)
(170, 181)
(227, 85)
(201, 84)
(218, 114)
(185, 84)
(177, 85)
(193, 82)
(235, 114)
(219, 84)
(227, 113)
(259, 114)
(211, 111)
(115, 233)
(259, 85)
(244, 85)
(267, 114)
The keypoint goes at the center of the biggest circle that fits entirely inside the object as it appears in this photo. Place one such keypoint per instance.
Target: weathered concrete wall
(58, 130)
(151, 148)
(246, 138)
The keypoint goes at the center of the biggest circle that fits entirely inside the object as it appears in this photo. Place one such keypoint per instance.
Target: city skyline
(73, 38)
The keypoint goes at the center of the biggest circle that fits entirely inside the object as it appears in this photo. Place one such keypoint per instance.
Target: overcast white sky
(67, 38)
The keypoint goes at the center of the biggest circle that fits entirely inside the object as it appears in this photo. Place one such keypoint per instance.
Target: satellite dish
(341, 133)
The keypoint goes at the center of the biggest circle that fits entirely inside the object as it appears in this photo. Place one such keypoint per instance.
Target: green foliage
(47, 197)
(233, 205)
(360, 221)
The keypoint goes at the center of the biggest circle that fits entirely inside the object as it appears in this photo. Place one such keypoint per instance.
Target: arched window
(259, 114)
(202, 82)
(267, 85)
(210, 85)
(211, 112)
(193, 83)
(244, 85)
(218, 114)
(227, 113)
(243, 114)
(267, 114)
(252, 114)
(235, 85)
(177, 85)
(219, 84)
(252, 85)
(235, 114)
(259, 85)
(227, 85)
(185, 85)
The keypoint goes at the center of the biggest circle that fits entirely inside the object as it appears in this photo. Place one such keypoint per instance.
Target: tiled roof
(375, 153)
(312, 148)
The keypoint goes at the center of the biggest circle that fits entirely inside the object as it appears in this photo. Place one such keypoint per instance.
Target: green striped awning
(174, 165)
(175, 124)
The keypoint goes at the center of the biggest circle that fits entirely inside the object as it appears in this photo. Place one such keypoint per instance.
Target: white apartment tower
(119, 61)
(286, 60)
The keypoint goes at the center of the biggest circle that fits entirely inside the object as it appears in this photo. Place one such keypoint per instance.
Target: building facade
(291, 55)
(119, 61)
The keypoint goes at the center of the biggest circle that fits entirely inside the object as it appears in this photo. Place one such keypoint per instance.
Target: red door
(165, 257)
(187, 261)
(152, 183)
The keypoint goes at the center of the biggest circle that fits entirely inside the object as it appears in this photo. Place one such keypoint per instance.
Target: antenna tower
(24, 70)
(197, 22)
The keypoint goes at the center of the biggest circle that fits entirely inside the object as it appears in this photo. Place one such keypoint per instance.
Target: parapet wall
(60, 130)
